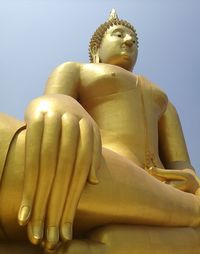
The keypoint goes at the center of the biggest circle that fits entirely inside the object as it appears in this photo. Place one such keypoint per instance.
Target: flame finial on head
(113, 15)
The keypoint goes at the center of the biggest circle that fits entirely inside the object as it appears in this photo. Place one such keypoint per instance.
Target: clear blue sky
(37, 35)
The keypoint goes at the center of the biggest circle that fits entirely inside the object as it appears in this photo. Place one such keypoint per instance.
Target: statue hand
(62, 152)
(182, 179)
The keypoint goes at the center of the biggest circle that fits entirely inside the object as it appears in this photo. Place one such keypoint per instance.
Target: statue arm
(172, 146)
(63, 152)
(174, 155)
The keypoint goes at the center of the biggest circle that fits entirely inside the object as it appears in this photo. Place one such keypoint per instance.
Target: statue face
(119, 47)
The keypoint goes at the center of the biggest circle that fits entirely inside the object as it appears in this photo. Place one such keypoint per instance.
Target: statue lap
(123, 239)
(113, 239)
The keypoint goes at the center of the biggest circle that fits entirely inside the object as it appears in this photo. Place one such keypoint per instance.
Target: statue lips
(126, 50)
(125, 56)
(126, 53)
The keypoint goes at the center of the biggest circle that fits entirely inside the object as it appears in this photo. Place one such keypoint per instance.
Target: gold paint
(101, 159)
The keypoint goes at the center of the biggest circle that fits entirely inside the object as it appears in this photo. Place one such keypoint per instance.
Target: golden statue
(100, 164)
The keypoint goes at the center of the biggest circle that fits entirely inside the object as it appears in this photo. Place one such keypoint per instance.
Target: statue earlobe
(94, 53)
(95, 56)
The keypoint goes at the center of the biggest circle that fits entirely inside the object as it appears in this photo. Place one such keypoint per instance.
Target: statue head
(114, 42)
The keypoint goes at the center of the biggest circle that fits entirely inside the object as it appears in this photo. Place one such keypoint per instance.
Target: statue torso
(126, 108)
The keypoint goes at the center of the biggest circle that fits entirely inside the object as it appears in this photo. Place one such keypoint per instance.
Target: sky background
(38, 35)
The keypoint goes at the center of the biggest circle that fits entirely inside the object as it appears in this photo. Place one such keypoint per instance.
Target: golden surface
(101, 159)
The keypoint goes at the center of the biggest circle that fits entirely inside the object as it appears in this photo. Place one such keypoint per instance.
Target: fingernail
(52, 234)
(23, 216)
(52, 238)
(67, 231)
(37, 231)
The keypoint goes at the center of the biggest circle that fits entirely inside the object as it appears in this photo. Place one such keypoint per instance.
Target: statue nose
(129, 43)
(128, 40)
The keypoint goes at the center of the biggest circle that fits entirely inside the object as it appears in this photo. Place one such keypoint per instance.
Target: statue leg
(119, 239)
(126, 194)
(123, 239)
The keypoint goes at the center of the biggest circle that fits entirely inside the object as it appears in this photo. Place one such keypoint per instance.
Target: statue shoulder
(64, 79)
(171, 110)
(66, 66)
(71, 68)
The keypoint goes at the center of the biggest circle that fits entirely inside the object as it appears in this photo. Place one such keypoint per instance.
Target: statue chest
(103, 79)
(113, 90)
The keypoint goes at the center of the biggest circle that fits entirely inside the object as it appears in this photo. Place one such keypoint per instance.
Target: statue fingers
(34, 133)
(179, 184)
(48, 164)
(65, 166)
(96, 156)
(79, 178)
(169, 174)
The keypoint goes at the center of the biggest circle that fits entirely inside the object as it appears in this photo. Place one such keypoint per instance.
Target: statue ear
(95, 56)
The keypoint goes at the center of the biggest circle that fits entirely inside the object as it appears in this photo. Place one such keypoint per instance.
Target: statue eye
(118, 34)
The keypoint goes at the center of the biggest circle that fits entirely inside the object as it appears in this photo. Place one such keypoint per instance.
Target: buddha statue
(99, 165)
